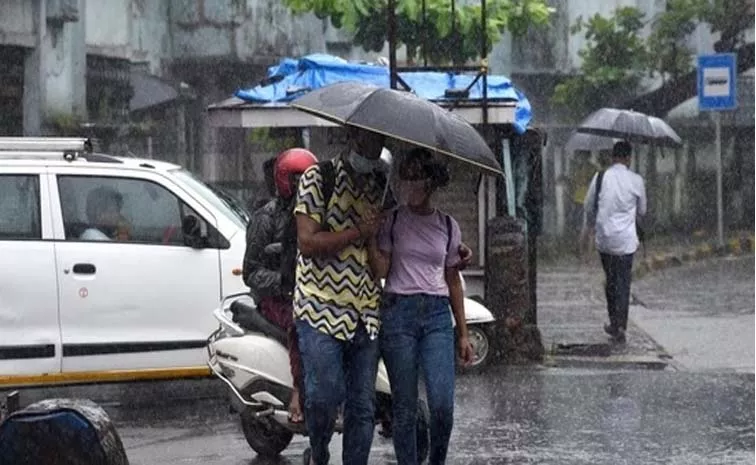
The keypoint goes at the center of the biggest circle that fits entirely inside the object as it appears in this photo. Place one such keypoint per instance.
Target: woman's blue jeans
(417, 333)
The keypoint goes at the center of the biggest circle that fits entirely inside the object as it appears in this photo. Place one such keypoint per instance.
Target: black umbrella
(402, 116)
(629, 125)
(582, 141)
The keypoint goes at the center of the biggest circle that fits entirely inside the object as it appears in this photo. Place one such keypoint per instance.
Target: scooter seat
(250, 319)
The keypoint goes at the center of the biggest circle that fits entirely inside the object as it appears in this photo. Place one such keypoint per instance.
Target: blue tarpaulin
(291, 78)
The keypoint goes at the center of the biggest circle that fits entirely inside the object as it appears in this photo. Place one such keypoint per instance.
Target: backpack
(638, 229)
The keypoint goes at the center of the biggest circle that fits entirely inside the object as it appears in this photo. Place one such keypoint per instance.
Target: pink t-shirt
(419, 252)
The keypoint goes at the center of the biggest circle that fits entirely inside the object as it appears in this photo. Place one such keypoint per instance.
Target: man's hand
(465, 255)
(370, 223)
(466, 351)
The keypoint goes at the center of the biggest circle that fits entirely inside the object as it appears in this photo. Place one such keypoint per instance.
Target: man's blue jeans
(337, 371)
(417, 333)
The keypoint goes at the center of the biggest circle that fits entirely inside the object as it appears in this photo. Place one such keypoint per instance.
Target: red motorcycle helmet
(289, 163)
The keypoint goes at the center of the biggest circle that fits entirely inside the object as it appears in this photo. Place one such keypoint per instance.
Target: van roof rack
(47, 144)
(68, 148)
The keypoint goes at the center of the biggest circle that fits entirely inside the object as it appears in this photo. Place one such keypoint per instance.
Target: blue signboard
(717, 76)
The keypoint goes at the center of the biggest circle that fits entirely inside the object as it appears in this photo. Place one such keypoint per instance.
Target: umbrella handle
(386, 189)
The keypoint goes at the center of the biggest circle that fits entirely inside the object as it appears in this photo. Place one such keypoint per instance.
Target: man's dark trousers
(619, 271)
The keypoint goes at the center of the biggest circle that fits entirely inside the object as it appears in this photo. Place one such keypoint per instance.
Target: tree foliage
(617, 55)
(613, 61)
(367, 20)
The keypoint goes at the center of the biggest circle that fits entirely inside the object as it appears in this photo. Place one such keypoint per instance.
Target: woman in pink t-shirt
(413, 251)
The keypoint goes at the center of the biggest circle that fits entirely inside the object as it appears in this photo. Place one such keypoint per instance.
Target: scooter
(250, 355)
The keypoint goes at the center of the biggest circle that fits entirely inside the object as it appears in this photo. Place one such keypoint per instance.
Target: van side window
(123, 209)
(19, 207)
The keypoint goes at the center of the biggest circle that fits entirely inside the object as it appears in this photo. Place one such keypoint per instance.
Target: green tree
(614, 61)
(669, 54)
(367, 20)
(616, 57)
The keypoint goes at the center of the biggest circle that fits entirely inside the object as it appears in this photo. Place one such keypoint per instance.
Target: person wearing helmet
(270, 257)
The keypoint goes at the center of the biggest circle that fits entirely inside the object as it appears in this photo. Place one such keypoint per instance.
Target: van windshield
(221, 200)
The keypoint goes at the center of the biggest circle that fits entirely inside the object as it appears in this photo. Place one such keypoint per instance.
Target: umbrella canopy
(665, 132)
(581, 141)
(629, 125)
(402, 116)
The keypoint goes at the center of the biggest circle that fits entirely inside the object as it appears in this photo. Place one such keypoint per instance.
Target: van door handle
(84, 268)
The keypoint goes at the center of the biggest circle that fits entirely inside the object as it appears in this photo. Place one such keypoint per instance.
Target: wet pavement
(515, 416)
(701, 313)
(571, 317)
(700, 410)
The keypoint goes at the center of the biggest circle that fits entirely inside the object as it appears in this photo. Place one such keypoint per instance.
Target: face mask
(361, 164)
(412, 193)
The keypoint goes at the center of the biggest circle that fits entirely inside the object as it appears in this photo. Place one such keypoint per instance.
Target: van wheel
(265, 436)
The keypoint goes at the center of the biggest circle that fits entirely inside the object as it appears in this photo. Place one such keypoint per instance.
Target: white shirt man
(621, 199)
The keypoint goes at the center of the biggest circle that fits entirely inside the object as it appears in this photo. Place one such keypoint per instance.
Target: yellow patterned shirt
(333, 293)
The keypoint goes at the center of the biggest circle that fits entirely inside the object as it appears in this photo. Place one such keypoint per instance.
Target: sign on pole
(717, 92)
(717, 76)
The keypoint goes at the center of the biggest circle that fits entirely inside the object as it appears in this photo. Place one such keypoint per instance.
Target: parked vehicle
(128, 297)
(82, 302)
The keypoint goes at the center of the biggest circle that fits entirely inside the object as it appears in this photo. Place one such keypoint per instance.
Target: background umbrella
(582, 141)
(629, 125)
(400, 115)
(664, 132)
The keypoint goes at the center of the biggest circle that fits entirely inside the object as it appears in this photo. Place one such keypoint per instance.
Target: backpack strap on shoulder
(393, 222)
(599, 178)
(448, 232)
(328, 175)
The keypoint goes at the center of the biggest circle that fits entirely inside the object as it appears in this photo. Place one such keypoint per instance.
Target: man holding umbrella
(338, 212)
(615, 198)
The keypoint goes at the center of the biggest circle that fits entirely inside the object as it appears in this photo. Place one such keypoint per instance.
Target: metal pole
(484, 58)
(718, 147)
(425, 35)
(391, 23)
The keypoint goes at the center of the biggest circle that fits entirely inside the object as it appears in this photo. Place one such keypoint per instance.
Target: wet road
(515, 416)
(702, 313)
(702, 413)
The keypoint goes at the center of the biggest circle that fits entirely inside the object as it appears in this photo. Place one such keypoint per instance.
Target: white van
(109, 266)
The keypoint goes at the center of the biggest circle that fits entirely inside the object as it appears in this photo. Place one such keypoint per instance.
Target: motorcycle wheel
(264, 436)
(480, 338)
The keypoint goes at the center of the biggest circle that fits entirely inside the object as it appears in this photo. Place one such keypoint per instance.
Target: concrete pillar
(55, 72)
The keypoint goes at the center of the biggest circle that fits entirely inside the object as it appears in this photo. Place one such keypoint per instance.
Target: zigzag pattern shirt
(333, 293)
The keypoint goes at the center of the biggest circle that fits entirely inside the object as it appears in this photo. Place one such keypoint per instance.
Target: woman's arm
(457, 300)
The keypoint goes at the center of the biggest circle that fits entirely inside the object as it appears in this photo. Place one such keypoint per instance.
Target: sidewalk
(572, 308)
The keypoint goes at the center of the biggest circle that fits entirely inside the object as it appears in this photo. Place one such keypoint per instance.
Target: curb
(742, 244)
(613, 362)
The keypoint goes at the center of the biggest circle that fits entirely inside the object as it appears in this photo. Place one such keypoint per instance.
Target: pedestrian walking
(417, 251)
(615, 200)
